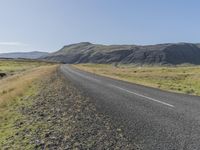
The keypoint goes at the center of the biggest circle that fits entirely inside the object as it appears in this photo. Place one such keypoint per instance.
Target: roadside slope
(58, 116)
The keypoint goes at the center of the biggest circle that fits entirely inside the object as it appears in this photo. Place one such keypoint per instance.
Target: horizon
(94, 44)
(59, 23)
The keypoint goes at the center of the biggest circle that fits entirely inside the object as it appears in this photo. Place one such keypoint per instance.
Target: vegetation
(183, 79)
(11, 67)
(53, 114)
(15, 92)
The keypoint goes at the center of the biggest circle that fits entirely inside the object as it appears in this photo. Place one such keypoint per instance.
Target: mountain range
(26, 55)
(169, 53)
(85, 52)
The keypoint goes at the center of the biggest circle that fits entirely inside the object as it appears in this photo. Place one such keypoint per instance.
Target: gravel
(61, 118)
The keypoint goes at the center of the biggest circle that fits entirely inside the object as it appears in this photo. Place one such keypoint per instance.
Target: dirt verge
(61, 118)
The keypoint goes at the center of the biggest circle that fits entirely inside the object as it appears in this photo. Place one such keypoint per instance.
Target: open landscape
(12, 66)
(46, 104)
(40, 109)
(182, 79)
(51, 105)
(99, 75)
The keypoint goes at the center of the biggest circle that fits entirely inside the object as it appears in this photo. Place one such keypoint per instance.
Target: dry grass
(11, 67)
(15, 93)
(182, 79)
(14, 86)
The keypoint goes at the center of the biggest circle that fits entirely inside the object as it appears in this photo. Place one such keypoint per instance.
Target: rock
(56, 120)
(2, 75)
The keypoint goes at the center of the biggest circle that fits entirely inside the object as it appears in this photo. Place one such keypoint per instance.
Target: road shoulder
(59, 117)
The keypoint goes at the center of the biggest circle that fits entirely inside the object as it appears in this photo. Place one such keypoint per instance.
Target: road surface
(152, 118)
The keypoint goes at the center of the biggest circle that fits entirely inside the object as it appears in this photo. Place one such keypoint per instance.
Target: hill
(26, 55)
(169, 53)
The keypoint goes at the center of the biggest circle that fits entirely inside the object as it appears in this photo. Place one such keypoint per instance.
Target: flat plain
(181, 79)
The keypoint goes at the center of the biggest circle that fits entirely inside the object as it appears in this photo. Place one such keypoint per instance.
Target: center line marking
(140, 95)
(152, 99)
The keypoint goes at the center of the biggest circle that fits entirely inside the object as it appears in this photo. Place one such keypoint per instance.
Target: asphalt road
(152, 118)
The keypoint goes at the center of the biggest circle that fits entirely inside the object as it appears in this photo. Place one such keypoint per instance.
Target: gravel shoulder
(59, 117)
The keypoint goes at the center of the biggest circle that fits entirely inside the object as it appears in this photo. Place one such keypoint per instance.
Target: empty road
(152, 118)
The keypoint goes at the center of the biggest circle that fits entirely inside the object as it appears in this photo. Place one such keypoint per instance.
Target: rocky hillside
(86, 52)
(26, 55)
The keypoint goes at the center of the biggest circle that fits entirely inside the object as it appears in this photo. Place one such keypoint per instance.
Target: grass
(181, 79)
(15, 92)
(11, 67)
(15, 85)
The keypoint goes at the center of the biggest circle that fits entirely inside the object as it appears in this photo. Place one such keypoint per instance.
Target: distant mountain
(169, 53)
(198, 45)
(26, 55)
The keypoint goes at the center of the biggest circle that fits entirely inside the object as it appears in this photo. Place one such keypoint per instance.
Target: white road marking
(140, 95)
(149, 98)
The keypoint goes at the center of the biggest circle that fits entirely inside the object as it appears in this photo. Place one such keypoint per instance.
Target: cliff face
(152, 54)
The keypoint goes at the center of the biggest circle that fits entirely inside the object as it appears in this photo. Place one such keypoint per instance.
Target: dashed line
(140, 95)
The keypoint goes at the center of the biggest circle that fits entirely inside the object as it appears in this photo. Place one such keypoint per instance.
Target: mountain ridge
(167, 53)
(26, 55)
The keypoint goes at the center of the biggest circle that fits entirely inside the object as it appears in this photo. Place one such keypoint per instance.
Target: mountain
(198, 44)
(168, 53)
(26, 55)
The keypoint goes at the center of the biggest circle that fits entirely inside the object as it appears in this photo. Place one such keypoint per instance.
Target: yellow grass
(14, 86)
(16, 92)
(183, 79)
(11, 67)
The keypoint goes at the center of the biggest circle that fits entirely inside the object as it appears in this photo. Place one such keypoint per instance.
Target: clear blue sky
(47, 25)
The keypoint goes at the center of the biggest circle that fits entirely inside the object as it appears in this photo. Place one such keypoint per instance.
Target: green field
(182, 79)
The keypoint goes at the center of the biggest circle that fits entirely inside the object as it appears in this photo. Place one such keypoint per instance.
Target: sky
(48, 25)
